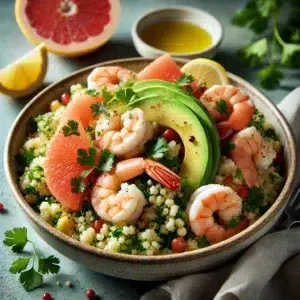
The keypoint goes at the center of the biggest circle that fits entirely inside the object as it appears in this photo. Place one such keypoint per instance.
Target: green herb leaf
(71, 128)
(106, 161)
(222, 108)
(239, 174)
(234, 222)
(185, 79)
(19, 265)
(16, 238)
(270, 77)
(202, 241)
(157, 148)
(49, 265)
(172, 163)
(254, 201)
(31, 279)
(125, 95)
(86, 157)
(117, 233)
(92, 93)
(255, 54)
(106, 94)
(228, 147)
(267, 7)
(77, 184)
(98, 109)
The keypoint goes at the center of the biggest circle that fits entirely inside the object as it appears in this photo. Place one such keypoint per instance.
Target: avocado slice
(195, 166)
(173, 92)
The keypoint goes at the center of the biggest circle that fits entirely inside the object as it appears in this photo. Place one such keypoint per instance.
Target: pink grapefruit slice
(61, 158)
(68, 27)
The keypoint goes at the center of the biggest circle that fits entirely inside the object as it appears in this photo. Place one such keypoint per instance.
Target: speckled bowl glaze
(146, 267)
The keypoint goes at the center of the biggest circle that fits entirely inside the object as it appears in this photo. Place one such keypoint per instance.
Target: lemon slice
(25, 75)
(206, 70)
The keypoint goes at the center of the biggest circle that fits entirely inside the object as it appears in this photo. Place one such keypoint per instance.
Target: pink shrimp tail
(241, 115)
(162, 174)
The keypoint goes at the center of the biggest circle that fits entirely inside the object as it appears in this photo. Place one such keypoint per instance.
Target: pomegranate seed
(65, 98)
(47, 296)
(1, 206)
(171, 135)
(98, 225)
(90, 294)
(179, 245)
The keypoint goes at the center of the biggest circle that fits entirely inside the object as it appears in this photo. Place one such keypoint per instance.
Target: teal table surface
(13, 44)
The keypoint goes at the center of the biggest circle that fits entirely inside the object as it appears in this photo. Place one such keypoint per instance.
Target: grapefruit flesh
(68, 27)
(61, 158)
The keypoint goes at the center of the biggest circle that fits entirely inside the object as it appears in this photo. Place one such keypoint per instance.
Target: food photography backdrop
(13, 45)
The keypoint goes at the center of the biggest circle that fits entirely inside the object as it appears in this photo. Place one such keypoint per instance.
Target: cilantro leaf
(266, 8)
(49, 265)
(157, 148)
(125, 95)
(31, 279)
(289, 53)
(92, 93)
(86, 157)
(106, 161)
(228, 146)
(255, 53)
(173, 163)
(19, 265)
(117, 233)
(270, 77)
(71, 128)
(16, 238)
(106, 94)
(185, 79)
(77, 184)
(234, 222)
(254, 201)
(98, 109)
(239, 174)
(202, 241)
(222, 108)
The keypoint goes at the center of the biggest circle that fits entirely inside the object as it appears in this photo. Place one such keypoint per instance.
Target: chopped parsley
(29, 278)
(239, 174)
(222, 108)
(24, 158)
(117, 233)
(234, 222)
(86, 157)
(228, 146)
(55, 219)
(98, 109)
(106, 94)
(173, 163)
(157, 148)
(71, 128)
(92, 93)
(255, 201)
(124, 95)
(202, 241)
(183, 201)
(185, 79)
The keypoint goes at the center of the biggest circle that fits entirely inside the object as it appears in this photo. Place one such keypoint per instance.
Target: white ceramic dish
(177, 13)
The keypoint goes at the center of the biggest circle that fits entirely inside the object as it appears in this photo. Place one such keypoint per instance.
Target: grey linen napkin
(269, 269)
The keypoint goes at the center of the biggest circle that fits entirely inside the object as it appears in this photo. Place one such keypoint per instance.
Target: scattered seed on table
(58, 283)
(68, 283)
(47, 296)
(90, 294)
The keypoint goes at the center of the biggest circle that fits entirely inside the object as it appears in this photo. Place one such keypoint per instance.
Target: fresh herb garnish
(89, 158)
(183, 201)
(92, 93)
(202, 241)
(234, 222)
(254, 202)
(71, 128)
(29, 278)
(98, 109)
(124, 95)
(173, 163)
(185, 79)
(117, 233)
(157, 148)
(239, 174)
(228, 146)
(106, 94)
(222, 108)
(259, 16)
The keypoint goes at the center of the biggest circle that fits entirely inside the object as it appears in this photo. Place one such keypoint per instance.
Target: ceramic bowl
(146, 267)
(177, 13)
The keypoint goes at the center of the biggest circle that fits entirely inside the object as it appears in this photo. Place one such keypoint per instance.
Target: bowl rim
(230, 243)
(189, 9)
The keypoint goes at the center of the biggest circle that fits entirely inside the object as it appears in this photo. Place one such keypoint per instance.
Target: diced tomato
(65, 98)
(1, 206)
(241, 189)
(179, 245)
(171, 135)
(199, 92)
(98, 225)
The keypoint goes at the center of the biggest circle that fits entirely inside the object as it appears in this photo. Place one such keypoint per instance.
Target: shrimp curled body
(119, 202)
(123, 135)
(109, 77)
(252, 152)
(207, 201)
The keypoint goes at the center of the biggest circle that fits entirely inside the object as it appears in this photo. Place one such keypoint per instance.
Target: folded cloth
(269, 269)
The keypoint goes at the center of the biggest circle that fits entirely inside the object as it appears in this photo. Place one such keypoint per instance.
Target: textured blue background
(12, 45)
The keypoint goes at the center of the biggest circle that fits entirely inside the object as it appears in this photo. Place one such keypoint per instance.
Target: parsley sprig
(259, 16)
(71, 128)
(185, 79)
(88, 157)
(255, 201)
(31, 268)
(157, 148)
(222, 108)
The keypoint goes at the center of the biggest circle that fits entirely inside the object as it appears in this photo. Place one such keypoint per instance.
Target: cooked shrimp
(210, 200)
(239, 107)
(109, 77)
(252, 152)
(126, 205)
(123, 135)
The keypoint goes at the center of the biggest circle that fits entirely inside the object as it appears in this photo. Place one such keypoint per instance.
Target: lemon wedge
(206, 70)
(25, 75)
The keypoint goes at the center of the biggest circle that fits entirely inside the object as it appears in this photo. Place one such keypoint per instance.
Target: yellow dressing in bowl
(177, 37)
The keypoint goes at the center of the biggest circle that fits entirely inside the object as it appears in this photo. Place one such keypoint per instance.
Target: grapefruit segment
(61, 157)
(68, 27)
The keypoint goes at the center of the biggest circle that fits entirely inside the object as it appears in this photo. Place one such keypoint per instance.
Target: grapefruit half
(61, 157)
(68, 27)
